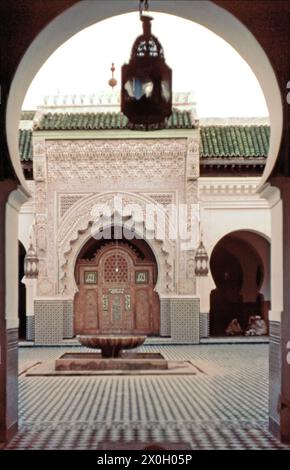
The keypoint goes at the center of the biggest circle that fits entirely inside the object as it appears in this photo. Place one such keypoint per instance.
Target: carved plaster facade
(73, 175)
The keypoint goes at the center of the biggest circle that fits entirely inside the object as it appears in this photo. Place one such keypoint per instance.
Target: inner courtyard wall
(72, 173)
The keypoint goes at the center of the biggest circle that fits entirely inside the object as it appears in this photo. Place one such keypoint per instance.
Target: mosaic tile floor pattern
(224, 406)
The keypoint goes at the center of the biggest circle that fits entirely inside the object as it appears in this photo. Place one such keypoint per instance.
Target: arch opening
(116, 278)
(240, 267)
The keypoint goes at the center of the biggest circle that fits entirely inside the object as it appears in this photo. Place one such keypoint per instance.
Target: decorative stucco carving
(38, 170)
(42, 268)
(38, 146)
(237, 190)
(116, 159)
(45, 287)
(40, 233)
(192, 157)
(66, 201)
(191, 191)
(39, 159)
(40, 198)
(190, 268)
(162, 198)
(41, 239)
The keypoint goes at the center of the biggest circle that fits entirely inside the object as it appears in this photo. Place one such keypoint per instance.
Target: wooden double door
(116, 294)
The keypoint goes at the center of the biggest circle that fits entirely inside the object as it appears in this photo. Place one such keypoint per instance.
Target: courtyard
(223, 406)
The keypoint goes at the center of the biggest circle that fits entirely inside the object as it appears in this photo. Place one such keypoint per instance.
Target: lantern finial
(112, 82)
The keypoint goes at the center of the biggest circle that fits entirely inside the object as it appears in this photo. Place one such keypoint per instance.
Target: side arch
(240, 267)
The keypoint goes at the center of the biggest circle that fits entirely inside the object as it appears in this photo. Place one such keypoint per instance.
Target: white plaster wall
(25, 224)
(26, 217)
(204, 286)
(220, 221)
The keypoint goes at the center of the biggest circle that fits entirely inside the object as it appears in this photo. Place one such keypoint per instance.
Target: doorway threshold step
(236, 340)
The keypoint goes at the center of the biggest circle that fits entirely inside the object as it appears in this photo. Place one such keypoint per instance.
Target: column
(31, 290)
(204, 286)
(10, 202)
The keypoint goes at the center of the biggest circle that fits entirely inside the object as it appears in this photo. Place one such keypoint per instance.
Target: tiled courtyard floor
(225, 406)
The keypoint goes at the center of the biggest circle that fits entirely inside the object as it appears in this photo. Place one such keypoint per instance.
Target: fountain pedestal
(111, 356)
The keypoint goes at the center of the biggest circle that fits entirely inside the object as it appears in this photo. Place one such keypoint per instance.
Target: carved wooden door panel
(116, 317)
(146, 302)
(143, 309)
(86, 319)
(116, 268)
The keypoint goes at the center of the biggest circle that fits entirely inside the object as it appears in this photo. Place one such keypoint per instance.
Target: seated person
(234, 328)
(256, 326)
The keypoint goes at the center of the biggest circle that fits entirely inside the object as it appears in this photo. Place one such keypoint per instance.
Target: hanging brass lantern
(146, 93)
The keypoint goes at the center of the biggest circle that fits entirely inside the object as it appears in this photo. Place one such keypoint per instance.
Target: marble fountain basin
(111, 345)
(114, 355)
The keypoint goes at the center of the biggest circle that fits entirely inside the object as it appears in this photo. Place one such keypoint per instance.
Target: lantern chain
(143, 5)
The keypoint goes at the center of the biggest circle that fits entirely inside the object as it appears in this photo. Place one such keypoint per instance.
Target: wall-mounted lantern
(201, 260)
(31, 263)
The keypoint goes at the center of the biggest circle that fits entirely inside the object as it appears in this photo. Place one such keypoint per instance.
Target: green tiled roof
(216, 142)
(234, 141)
(27, 115)
(25, 145)
(103, 121)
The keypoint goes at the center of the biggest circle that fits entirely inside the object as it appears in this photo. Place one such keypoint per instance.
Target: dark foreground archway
(21, 293)
(255, 15)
